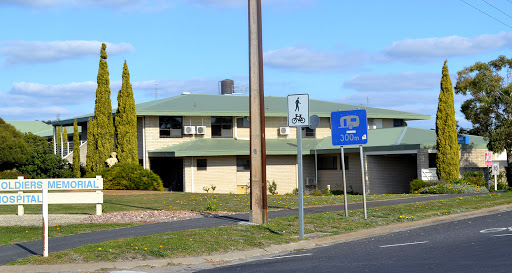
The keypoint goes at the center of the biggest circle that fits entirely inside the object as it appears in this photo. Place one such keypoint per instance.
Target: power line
(509, 1)
(485, 13)
(497, 8)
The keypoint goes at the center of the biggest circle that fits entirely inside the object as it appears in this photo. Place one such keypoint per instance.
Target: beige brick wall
(472, 157)
(220, 171)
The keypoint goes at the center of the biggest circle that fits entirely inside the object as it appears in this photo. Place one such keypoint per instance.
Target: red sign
(488, 158)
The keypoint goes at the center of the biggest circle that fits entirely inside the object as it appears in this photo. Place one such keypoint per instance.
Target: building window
(243, 123)
(398, 122)
(346, 163)
(222, 127)
(201, 164)
(432, 160)
(307, 132)
(243, 164)
(327, 162)
(171, 127)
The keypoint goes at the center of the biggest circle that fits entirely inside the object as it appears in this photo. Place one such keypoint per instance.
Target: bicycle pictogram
(298, 118)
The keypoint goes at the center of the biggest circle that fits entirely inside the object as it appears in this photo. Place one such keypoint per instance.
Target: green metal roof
(35, 127)
(399, 138)
(236, 105)
(389, 139)
(229, 146)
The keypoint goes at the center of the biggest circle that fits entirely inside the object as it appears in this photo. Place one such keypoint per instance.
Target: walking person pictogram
(297, 102)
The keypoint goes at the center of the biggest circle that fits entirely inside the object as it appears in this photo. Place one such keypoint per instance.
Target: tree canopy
(13, 148)
(489, 107)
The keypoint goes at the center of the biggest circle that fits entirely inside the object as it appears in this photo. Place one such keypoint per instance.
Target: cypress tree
(65, 135)
(447, 147)
(103, 114)
(58, 137)
(126, 121)
(92, 148)
(76, 150)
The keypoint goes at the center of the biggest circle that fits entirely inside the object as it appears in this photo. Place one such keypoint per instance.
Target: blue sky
(385, 54)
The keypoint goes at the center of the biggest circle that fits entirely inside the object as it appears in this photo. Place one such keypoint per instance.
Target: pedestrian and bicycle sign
(349, 127)
(298, 110)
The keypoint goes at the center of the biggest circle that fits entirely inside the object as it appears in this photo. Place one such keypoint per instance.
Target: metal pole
(45, 222)
(258, 181)
(300, 183)
(316, 163)
(344, 181)
(364, 180)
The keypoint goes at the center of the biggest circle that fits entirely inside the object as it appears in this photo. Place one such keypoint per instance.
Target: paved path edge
(266, 251)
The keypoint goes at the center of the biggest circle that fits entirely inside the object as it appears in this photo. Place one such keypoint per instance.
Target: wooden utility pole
(257, 118)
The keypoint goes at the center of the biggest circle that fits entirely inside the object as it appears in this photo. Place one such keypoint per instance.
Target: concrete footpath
(9, 253)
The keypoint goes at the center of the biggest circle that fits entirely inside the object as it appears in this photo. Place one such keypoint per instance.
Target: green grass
(278, 231)
(194, 202)
(18, 234)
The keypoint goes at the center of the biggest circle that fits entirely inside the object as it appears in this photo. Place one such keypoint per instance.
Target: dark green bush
(337, 192)
(12, 175)
(131, 176)
(418, 184)
(475, 178)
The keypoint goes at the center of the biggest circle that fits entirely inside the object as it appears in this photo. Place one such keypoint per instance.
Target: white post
(99, 192)
(45, 222)
(495, 182)
(21, 208)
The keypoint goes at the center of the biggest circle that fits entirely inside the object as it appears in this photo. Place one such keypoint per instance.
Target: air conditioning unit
(284, 131)
(310, 181)
(189, 130)
(201, 130)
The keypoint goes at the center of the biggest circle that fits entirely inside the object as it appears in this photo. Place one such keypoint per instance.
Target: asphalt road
(10, 253)
(481, 244)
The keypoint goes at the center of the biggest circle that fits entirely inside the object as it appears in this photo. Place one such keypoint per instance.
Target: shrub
(475, 178)
(272, 187)
(418, 184)
(130, 176)
(12, 175)
(453, 188)
(326, 192)
(316, 193)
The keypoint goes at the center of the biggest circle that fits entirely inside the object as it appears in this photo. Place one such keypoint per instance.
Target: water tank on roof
(227, 86)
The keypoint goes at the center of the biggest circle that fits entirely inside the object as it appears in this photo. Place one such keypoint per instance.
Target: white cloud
(24, 52)
(61, 90)
(394, 82)
(124, 5)
(32, 113)
(393, 99)
(421, 50)
(166, 88)
(308, 60)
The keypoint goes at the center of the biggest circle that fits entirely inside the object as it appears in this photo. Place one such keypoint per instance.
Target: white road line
(289, 256)
(415, 243)
(501, 235)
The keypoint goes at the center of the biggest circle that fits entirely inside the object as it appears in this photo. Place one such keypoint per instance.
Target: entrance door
(170, 171)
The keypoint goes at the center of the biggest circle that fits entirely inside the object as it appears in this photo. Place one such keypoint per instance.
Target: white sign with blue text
(23, 198)
(349, 127)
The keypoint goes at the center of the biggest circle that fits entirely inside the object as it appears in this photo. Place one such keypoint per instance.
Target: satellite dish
(314, 121)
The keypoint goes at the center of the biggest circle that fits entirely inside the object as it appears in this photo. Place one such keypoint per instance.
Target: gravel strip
(151, 216)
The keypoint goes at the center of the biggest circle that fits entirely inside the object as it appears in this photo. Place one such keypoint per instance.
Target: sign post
(350, 128)
(298, 116)
(45, 222)
(488, 162)
(495, 172)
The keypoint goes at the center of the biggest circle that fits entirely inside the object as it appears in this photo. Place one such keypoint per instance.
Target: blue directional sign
(349, 127)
